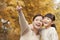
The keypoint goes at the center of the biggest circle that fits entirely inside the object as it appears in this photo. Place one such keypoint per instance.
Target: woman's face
(47, 21)
(38, 22)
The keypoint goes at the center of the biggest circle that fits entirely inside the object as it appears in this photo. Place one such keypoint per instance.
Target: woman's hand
(19, 9)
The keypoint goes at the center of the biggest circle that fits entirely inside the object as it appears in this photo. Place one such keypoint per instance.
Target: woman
(49, 33)
(30, 31)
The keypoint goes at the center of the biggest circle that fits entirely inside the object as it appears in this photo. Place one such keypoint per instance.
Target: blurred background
(9, 22)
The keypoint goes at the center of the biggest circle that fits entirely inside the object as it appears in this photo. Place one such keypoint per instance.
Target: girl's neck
(48, 27)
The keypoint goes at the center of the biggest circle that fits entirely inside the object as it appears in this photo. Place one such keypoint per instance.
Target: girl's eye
(48, 19)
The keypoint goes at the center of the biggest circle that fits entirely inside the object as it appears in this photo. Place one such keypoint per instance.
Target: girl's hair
(52, 17)
(53, 25)
(36, 16)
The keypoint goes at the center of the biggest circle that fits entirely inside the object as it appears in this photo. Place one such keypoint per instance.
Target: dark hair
(53, 25)
(52, 17)
(36, 16)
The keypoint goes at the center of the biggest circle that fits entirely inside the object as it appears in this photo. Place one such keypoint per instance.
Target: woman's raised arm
(23, 22)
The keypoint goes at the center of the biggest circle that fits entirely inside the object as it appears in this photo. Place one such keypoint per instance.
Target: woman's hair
(36, 16)
(52, 17)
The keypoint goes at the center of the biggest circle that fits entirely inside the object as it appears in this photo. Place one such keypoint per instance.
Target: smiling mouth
(38, 24)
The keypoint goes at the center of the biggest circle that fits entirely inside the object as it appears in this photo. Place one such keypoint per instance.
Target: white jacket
(26, 32)
(49, 34)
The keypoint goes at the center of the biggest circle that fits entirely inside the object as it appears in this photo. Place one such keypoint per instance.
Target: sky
(57, 4)
(56, 1)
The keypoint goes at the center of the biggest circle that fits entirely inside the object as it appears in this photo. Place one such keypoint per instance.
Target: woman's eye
(36, 19)
(45, 22)
(40, 20)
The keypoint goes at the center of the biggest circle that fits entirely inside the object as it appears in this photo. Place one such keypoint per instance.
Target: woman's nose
(42, 20)
(39, 22)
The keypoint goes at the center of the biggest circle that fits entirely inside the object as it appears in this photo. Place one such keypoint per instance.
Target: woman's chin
(38, 27)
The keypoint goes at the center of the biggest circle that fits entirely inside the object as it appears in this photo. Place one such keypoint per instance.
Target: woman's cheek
(34, 22)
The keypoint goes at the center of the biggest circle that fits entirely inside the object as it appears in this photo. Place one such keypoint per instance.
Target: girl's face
(37, 22)
(47, 22)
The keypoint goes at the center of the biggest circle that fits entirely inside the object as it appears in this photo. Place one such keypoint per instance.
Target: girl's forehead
(47, 18)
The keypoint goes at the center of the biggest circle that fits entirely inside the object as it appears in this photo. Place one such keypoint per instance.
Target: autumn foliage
(30, 8)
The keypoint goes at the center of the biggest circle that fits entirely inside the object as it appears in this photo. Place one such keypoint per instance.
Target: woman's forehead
(39, 17)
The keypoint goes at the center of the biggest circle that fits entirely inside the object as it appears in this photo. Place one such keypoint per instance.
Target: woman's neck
(35, 30)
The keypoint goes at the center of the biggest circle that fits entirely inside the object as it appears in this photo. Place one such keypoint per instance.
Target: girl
(30, 31)
(49, 33)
